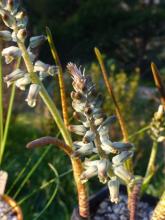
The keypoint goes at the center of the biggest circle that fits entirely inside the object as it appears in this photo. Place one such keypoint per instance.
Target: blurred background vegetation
(131, 34)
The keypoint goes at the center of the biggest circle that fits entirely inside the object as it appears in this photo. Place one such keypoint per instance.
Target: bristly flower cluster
(157, 125)
(15, 18)
(94, 130)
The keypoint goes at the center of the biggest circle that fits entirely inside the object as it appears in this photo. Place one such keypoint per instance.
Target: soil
(108, 211)
(6, 212)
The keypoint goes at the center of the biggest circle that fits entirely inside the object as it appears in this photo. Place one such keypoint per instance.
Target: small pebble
(109, 211)
(5, 208)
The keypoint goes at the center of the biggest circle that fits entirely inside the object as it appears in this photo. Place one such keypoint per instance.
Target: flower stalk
(17, 22)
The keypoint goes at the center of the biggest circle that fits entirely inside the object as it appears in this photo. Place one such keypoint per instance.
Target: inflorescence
(94, 130)
(16, 19)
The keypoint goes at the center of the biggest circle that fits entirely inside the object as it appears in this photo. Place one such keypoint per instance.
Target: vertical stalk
(7, 122)
(81, 188)
(1, 105)
(8, 118)
(60, 76)
(77, 166)
(151, 166)
(159, 83)
(129, 164)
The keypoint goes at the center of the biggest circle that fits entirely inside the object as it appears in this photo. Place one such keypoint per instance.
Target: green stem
(1, 105)
(6, 130)
(151, 166)
(45, 96)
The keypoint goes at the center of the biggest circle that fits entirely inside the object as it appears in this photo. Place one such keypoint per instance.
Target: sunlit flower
(32, 95)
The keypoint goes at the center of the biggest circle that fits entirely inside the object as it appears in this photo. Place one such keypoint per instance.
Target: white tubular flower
(103, 166)
(10, 53)
(123, 174)
(113, 186)
(83, 149)
(15, 75)
(122, 157)
(22, 34)
(5, 35)
(8, 19)
(32, 95)
(77, 129)
(88, 163)
(37, 41)
(88, 173)
(22, 19)
(106, 144)
(23, 82)
(121, 146)
(40, 66)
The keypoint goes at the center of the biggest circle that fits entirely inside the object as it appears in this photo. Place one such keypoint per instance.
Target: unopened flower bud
(123, 174)
(12, 6)
(22, 34)
(8, 19)
(89, 173)
(10, 53)
(36, 41)
(77, 129)
(5, 35)
(22, 19)
(113, 186)
(23, 82)
(32, 95)
(15, 75)
(123, 156)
